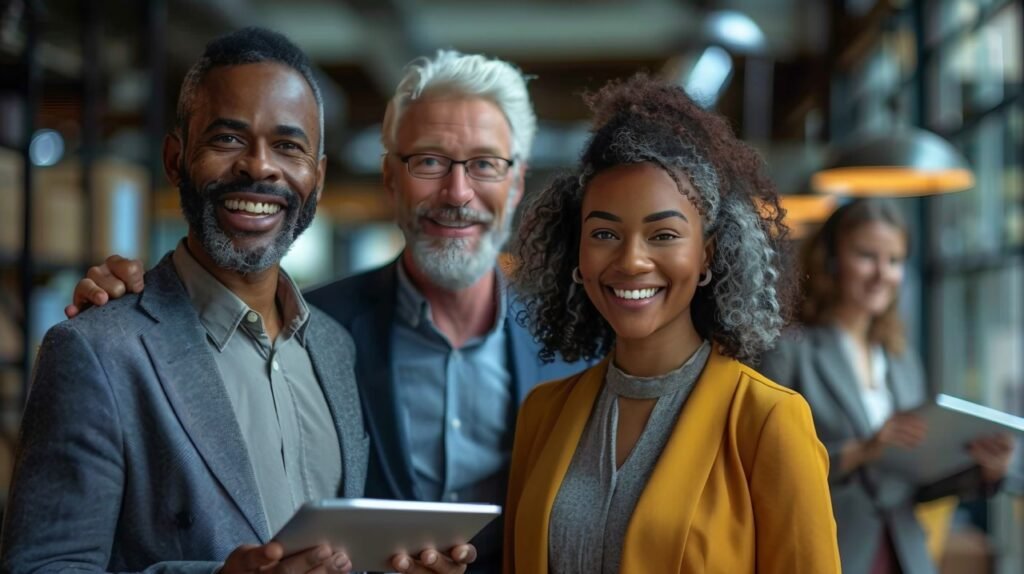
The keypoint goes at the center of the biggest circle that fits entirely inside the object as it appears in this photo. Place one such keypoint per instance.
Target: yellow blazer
(741, 485)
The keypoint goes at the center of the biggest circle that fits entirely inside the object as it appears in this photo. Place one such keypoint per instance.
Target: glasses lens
(428, 165)
(487, 168)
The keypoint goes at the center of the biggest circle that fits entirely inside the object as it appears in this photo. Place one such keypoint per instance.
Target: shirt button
(276, 366)
(252, 317)
(456, 424)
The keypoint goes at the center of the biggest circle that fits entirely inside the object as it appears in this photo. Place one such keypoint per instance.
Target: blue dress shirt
(456, 402)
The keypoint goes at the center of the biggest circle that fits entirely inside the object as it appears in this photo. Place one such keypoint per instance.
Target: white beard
(456, 263)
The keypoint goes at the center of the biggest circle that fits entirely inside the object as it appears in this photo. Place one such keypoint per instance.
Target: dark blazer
(130, 456)
(867, 500)
(365, 305)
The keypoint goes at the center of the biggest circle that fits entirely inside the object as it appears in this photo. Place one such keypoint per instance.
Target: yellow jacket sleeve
(796, 530)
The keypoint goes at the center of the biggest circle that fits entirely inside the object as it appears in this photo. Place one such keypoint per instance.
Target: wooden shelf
(41, 265)
(342, 203)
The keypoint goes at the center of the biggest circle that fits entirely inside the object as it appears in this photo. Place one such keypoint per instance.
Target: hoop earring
(576, 277)
(706, 279)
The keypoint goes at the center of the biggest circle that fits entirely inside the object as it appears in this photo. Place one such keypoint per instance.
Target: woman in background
(852, 364)
(670, 455)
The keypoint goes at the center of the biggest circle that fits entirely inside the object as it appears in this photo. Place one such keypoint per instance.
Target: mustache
(460, 214)
(216, 191)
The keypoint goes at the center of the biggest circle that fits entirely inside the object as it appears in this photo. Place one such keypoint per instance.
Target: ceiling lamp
(804, 212)
(908, 162)
(734, 30)
(710, 75)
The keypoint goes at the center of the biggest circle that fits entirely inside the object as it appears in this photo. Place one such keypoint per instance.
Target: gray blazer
(866, 500)
(130, 456)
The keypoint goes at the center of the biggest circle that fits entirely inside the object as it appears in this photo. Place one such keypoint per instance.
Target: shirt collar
(414, 309)
(221, 311)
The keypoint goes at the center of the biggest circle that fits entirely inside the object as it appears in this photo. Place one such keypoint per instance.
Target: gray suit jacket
(867, 500)
(131, 458)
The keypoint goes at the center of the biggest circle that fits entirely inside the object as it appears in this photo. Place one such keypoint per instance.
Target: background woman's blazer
(813, 363)
(740, 487)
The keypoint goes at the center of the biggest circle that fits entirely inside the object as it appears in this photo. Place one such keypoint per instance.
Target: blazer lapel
(523, 355)
(539, 492)
(338, 384)
(377, 387)
(904, 379)
(190, 378)
(837, 373)
(691, 449)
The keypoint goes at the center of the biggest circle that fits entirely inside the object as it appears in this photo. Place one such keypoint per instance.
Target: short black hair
(250, 45)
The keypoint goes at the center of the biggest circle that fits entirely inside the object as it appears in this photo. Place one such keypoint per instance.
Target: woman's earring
(576, 277)
(706, 279)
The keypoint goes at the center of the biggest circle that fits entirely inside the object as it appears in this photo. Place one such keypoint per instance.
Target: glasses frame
(452, 162)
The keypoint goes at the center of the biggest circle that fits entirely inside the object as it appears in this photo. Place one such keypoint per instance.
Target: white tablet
(952, 423)
(372, 531)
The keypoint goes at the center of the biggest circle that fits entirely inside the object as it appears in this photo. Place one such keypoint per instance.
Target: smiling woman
(670, 227)
(640, 258)
(861, 380)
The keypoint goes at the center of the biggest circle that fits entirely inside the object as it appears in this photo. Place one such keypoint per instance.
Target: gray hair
(452, 73)
(627, 147)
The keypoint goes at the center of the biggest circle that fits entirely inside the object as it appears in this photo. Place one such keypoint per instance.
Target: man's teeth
(252, 207)
(459, 224)
(636, 293)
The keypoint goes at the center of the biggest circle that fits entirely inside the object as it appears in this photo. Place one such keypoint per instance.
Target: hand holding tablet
(270, 559)
(372, 533)
(960, 435)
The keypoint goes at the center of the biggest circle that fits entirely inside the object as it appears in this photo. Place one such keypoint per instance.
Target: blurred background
(88, 89)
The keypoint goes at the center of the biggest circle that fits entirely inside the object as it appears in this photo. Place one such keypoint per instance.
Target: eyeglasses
(434, 166)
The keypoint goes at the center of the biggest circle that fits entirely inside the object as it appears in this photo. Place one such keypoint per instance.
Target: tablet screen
(371, 531)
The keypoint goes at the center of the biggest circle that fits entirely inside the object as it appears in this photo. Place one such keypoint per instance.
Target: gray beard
(227, 255)
(200, 213)
(452, 263)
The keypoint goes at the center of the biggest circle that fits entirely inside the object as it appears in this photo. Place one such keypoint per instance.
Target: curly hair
(820, 285)
(646, 120)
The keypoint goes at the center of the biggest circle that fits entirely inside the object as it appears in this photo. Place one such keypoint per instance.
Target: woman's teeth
(252, 207)
(636, 293)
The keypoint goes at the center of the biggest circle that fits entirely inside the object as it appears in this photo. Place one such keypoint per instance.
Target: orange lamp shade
(907, 162)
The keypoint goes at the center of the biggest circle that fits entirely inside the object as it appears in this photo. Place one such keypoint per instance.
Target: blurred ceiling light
(709, 76)
(803, 212)
(734, 30)
(908, 162)
(801, 209)
(46, 148)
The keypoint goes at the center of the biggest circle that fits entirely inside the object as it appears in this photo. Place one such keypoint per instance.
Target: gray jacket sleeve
(69, 472)
(780, 365)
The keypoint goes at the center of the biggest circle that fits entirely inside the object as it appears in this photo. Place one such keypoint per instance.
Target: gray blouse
(596, 500)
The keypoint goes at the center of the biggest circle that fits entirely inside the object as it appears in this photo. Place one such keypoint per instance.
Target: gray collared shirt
(456, 402)
(281, 410)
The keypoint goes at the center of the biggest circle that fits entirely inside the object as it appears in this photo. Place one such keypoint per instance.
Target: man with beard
(442, 365)
(178, 429)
